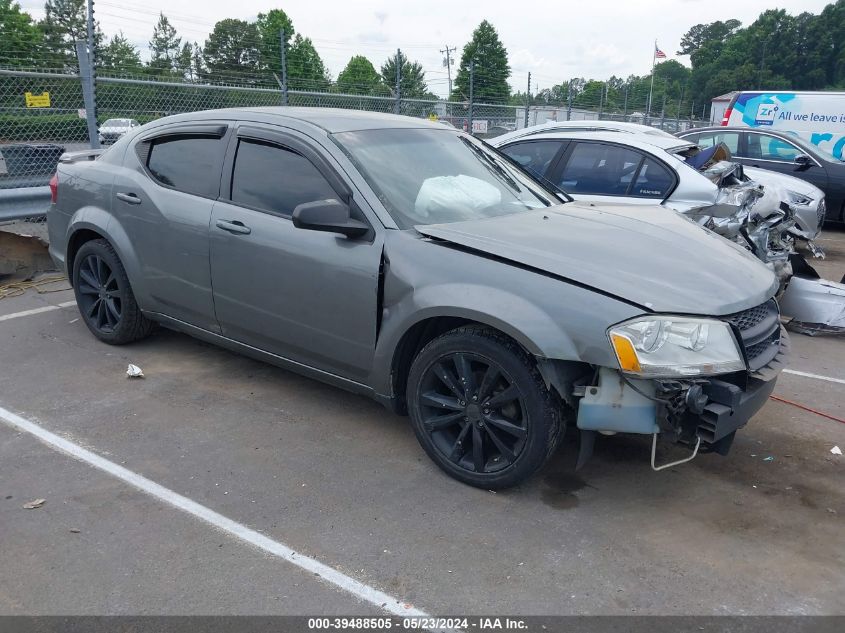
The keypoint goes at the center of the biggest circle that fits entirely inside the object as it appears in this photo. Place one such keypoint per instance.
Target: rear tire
(480, 408)
(104, 296)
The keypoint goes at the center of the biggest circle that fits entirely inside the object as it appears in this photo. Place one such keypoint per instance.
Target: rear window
(599, 169)
(653, 181)
(187, 163)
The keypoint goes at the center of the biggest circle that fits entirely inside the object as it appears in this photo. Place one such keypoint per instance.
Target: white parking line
(24, 313)
(841, 381)
(381, 600)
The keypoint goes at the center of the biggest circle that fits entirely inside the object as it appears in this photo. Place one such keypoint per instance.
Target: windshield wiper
(490, 163)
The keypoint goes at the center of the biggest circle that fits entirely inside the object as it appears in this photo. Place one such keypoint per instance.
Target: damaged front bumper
(703, 413)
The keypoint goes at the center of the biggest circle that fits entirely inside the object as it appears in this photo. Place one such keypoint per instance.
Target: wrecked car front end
(701, 401)
(691, 355)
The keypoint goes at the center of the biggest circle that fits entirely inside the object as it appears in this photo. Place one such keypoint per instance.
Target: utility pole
(471, 82)
(284, 63)
(569, 102)
(626, 101)
(91, 107)
(398, 80)
(448, 64)
(602, 98)
(527, 98)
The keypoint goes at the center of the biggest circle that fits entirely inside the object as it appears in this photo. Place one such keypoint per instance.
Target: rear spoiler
(77, 157)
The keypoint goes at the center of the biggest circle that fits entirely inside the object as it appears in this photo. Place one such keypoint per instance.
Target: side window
(271, 178)
(653, 181)
(709, 139)
(534, 156)
(187, 163)
(600, 169)
(768, 147)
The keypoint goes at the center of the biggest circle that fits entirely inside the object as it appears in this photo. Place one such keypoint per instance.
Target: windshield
(432, 176)
(116, 123)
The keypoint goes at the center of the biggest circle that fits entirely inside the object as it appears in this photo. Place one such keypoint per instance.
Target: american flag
(658, 54)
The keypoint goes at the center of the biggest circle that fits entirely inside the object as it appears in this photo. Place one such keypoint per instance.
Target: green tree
(21, 39)
(491, 68)
(165, 47)
(306, 70)
(63, 25)
(120, 54)
(360, 77)
(411, 79)
(185, 61)
(270, 25)
(232, 50)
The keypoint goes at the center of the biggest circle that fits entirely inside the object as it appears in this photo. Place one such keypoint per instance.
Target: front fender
(550, 318)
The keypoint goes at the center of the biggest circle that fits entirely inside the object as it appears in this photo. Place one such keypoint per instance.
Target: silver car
(404, 260)
(112, 129)
(807, 200)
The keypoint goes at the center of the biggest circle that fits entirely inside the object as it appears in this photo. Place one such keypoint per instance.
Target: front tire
(104, 296)
(480, 408)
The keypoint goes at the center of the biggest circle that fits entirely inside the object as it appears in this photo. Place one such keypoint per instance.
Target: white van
(818, 117)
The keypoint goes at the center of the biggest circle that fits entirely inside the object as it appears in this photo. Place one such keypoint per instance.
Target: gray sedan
(403, 260)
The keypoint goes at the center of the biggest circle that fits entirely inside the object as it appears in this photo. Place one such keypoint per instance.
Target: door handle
(233, 226)
(130, 198)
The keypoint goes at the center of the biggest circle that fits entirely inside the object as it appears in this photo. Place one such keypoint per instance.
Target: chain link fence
(43, 114)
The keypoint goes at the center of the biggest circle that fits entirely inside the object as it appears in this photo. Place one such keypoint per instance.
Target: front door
(308, 296)
(771, 152)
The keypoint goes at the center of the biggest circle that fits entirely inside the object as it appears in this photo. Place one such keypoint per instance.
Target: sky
(554, 40)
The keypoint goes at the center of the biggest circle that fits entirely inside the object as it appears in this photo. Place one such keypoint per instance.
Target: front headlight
(669, 346)
(793, 197)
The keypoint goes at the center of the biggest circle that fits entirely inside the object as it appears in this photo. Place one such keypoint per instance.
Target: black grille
(749, 318)
(821, 211)
(759, 328)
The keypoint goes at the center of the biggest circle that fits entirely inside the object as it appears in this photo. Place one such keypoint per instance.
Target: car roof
(331, 120)
(608, 125)
(642, 141)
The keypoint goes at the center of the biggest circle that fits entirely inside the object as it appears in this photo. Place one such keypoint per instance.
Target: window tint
(535, 156)
(599, 169)
(187, 163)
(274, 179)
(771, 148)
(653, 181)
(709, 139)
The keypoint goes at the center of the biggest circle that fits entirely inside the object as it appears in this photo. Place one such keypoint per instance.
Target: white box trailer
(818, 117)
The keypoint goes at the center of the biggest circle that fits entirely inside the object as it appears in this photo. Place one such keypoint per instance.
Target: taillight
(727, 117)
(54, 188)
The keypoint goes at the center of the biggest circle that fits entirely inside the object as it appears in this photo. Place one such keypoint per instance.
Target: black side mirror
(802, 160)
(331, 216)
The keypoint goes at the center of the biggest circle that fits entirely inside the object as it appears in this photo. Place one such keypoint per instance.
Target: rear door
(162, 199)
(767, 151)
(308, 296)
(594, 171)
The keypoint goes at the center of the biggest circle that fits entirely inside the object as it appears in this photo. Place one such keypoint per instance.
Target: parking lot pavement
(100, 546)
(336, 477)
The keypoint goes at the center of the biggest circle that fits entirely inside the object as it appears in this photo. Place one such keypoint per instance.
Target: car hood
(766, 177)
(114, 130)
(649, 256)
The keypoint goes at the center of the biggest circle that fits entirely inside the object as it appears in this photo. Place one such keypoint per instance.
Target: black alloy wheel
(481, 409)
(473, 412)
(105, 297)
(99, 295)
